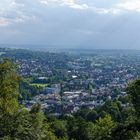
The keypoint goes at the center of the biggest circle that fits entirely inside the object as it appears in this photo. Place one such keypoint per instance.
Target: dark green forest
(117, 119)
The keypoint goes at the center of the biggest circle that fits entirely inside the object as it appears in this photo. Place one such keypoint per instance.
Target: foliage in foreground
(116, 120)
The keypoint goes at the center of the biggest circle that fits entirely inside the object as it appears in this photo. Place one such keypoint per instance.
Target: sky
(96, 24)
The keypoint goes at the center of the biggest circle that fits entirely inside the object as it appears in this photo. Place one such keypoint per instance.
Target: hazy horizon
(85, 24)
(34, 47)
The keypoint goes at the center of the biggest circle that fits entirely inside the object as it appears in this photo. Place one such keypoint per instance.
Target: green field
(39, 85)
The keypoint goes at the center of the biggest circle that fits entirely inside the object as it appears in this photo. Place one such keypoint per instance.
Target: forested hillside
(116, 120)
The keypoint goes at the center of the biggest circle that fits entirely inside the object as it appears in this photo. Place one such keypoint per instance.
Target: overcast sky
(71, 23)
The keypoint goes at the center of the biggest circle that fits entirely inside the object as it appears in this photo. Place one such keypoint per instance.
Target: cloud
(113, 11)
(69, 3)
(17, 11)
(119, 7)
(81, 6)
(69, 23)
(131, 5)
(44, 2)
(13, 12)
(73, 4)
(4, 22)
(77, 6)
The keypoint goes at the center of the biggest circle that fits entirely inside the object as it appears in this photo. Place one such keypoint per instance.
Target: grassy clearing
(39, 85)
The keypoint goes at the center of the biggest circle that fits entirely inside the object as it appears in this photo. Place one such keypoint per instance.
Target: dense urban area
(64, 82)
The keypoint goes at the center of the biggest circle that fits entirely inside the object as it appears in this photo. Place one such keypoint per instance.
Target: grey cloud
(66, 27)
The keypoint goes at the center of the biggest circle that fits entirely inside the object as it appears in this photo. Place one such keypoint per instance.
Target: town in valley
(64, 82)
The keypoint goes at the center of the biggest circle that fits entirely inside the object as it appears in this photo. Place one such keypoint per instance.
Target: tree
(134, 91)
(102, 129)
(76, 128)
(128, 130)
(59, 128)
(8, 97)
(8, 88)
(16, 122)
(92, 115)
(113, 108)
